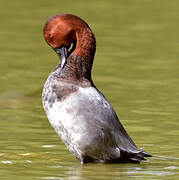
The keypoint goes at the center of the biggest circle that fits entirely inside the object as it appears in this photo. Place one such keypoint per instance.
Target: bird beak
(62, 53)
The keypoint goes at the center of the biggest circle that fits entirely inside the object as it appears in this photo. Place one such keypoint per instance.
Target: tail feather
(130, 157)
(138, 157)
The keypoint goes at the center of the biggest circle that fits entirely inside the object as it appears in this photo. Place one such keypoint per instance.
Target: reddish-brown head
(59, 31)
(65, 30)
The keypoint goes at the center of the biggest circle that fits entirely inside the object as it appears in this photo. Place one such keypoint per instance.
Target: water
(136, 67)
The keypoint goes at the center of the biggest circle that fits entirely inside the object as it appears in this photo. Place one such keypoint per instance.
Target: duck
(79, 113)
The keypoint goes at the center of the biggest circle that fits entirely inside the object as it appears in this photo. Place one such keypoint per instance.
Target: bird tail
(130, 157)
(138, 157)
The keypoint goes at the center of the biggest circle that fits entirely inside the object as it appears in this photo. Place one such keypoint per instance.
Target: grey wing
(108, 134)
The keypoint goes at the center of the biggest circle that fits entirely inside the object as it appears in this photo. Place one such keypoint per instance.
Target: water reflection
(105, 171)
(53, 164)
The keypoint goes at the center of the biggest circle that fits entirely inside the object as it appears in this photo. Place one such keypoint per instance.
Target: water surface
(136, 67)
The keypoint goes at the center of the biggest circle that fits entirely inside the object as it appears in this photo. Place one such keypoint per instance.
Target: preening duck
(80, 114)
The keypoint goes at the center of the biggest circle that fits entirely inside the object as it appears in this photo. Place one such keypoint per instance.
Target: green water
(136, 67)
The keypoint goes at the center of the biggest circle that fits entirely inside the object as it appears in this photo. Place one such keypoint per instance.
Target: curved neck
(80, 61)
(85, 44)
